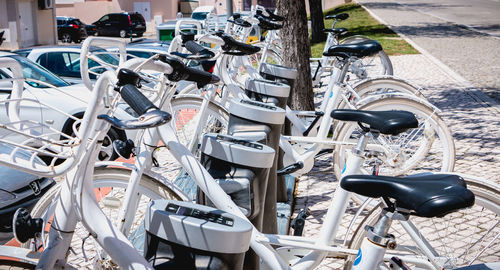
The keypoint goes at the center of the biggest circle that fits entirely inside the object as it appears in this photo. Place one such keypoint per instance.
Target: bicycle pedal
(299, 222)
(24, 226)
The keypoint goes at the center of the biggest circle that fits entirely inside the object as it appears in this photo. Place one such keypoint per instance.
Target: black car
(91, 29)
(18, 189)
(121, 24)
(70, 29)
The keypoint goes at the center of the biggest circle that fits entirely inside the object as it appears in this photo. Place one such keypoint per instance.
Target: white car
(64, 61)
(74, 103)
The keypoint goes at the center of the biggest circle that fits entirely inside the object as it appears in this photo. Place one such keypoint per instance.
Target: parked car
(91, 29)
(70, 29)
(71, 99)
(144, 48)
(18, 189)
(121, 24)
(64, 61)
(201, 12)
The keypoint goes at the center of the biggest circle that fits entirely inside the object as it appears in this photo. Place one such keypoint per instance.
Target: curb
(467, 86)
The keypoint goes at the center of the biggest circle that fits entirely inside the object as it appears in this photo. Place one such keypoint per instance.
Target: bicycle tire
(186, 108)
(487, 207)
(381, 61)
(15, 265)
(110, 183)
(385, 85)
(431, 142)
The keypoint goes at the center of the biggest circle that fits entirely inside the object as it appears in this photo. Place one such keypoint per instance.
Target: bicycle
(192, 166)
(366, 95)
(78, 155)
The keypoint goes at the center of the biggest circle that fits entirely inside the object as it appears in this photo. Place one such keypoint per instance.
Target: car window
(140, 54)
(199, 15)
(77, 22)
(31, 70)
(95, 66)
(104, 18)
(137, 17)
(60, 22)
(23, 52)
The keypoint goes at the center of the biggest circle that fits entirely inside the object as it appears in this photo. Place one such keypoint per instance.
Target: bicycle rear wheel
(428, 148)
(378, 64)
(468, 236)
(15, 265)
(109, 186)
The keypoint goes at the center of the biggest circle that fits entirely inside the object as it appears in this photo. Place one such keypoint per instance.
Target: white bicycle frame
(331, 98)
(77, 202)
(260, 243)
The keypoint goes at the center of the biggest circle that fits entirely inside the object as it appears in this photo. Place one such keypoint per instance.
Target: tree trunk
(297, 51)
(317, 23)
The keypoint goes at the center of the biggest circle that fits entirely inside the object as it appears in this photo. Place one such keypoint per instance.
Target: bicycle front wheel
(427, 148)
(191, 123)
(109, 187)
(468, 236)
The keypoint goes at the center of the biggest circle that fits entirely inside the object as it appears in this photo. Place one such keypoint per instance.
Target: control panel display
(208, 216)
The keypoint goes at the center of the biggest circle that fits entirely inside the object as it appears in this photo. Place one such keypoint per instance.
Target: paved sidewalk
(475, 127)
(469, 53)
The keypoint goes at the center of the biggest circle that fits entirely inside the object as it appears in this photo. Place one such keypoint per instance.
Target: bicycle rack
(241, 167)
(261, 122)
(268, 91)
(285, 75)
(183, 235)
(277, 93)
(278, 73)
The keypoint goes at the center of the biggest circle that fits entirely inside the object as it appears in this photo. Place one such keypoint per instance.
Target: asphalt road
(462, 34)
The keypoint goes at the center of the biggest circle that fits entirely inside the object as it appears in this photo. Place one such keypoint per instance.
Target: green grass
(361, 23)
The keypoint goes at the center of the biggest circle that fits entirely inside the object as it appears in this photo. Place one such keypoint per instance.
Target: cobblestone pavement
(475, 128)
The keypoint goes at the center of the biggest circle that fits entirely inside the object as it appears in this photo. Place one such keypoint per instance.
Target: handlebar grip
(201, 77)
(196, 48)
(274, 17)
(247, 48)
(136, 100)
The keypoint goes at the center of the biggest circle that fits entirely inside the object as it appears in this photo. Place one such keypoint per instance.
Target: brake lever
(149, 119)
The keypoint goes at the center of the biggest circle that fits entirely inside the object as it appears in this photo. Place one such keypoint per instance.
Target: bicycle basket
(28, 131)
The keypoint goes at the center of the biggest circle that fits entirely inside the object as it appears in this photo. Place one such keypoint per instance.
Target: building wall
(91, 11)
(220, 5)
(42, 30)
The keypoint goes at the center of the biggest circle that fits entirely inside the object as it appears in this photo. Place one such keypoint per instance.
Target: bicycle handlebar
(231, 46)
(85, 50)
(198, 50)
(182, 72)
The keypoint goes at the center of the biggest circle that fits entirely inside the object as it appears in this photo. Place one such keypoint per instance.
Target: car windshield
(199, 15)
(101, 54)
(34, 71)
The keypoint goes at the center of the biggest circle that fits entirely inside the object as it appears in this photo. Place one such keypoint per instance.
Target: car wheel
(107, 152)
(66, 38)
(123, 33)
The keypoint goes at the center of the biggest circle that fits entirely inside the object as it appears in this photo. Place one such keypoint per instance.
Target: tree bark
(317, 23)
(297, 51)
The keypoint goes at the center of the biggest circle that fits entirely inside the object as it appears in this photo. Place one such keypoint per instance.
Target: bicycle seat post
(342, 64)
